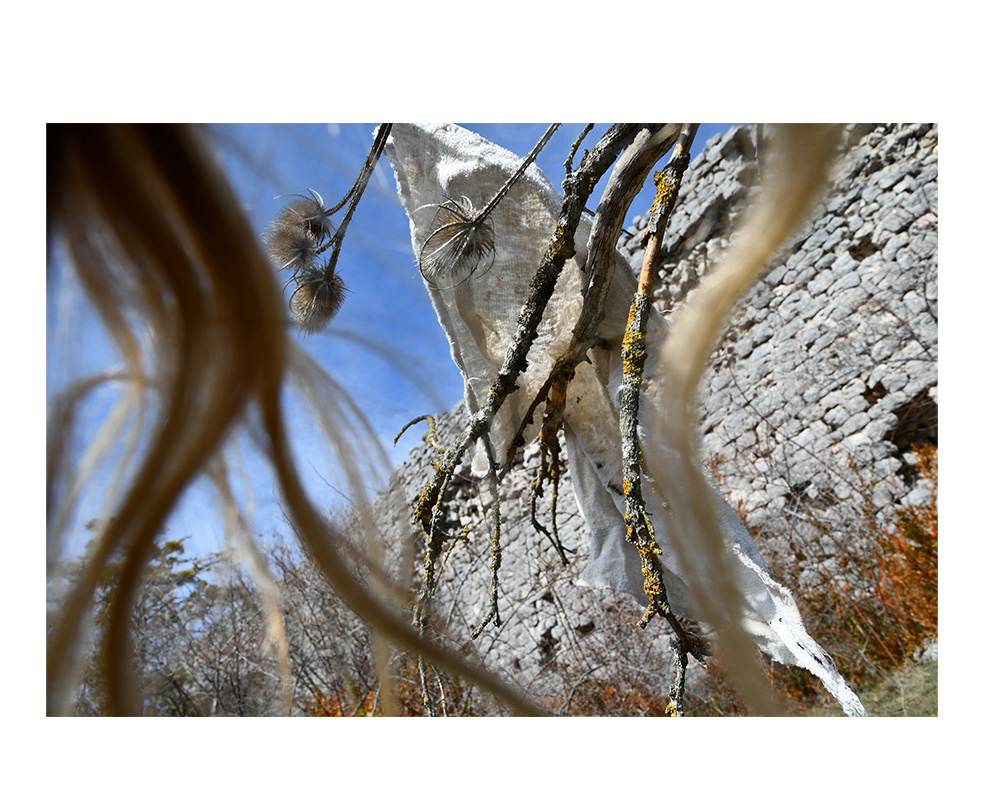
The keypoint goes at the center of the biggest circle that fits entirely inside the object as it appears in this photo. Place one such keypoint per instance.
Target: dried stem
(493, 614)
(530, 157)
(355, 194)
(551, 468)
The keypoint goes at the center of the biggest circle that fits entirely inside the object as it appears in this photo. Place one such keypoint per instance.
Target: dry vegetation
(200, 642)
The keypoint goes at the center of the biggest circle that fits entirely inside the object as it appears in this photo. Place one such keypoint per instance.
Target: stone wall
(826, 377)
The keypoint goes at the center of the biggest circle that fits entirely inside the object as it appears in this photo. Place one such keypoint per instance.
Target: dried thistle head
(310, 213)
(317, 298)
(460, 239)
(291, 246)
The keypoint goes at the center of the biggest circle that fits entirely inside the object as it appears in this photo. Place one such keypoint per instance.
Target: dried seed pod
(460, 239)
(317, 298)
(309, 213)
(291, 246)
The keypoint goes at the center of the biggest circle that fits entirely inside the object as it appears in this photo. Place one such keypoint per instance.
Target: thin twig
(517, 174)
(431, 431)
(569, 161)
(496, 548)
(355, 194)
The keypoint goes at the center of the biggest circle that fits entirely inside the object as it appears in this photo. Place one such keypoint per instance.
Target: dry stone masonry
(832, 356)
(824, 380)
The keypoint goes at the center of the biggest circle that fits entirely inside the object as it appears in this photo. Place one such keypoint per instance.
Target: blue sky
(387, 303)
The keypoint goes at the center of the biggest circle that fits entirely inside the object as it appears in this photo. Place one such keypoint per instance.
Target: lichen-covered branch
(638, 527)
(667, 184)
(795, 173)
(496, 548)
(639, 531)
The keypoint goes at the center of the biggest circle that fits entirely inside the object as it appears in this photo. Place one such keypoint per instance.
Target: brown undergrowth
(880, 604)
(872, 605)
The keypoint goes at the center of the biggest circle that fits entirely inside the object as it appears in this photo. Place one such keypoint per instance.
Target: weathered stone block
(852, 279)
(844, 264)
(881, 428)
(836, 416)
(855, 423)
(821, 281)
(808, 335)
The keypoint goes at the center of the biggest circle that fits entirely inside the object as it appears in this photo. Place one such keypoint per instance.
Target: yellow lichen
(634, 344)
(666, 189)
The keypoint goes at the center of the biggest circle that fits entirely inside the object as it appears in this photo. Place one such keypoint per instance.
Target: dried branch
(667, 189)
(569, 161)
(638, 527)
(627, 178)
(639, 530)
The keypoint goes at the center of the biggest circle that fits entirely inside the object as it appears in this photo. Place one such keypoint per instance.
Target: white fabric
(434, 163)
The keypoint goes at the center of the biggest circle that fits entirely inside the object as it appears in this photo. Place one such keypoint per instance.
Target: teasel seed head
(317, 298)
(291, 246)
(310, 213)
(458, 242)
